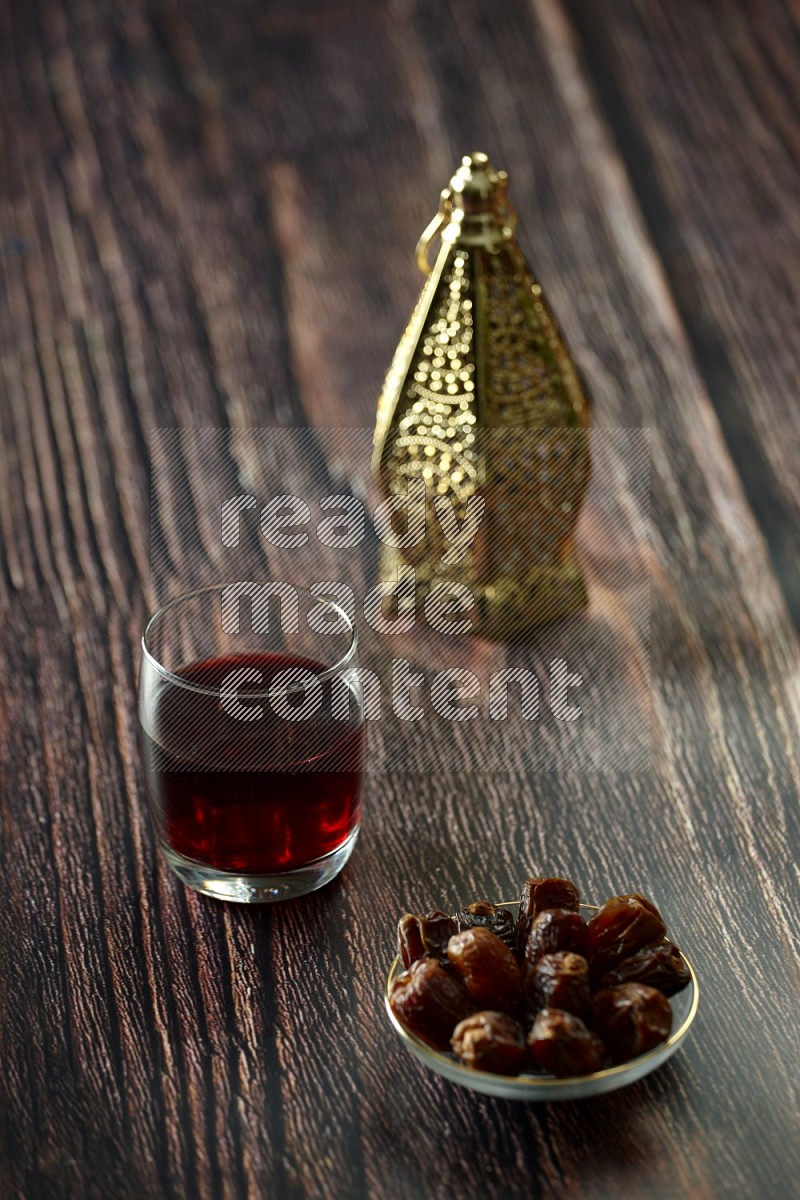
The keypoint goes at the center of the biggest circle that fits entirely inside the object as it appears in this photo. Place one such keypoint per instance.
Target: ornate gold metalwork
(483, 399)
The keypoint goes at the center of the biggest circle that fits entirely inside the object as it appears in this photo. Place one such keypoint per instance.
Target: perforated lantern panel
(483, 398)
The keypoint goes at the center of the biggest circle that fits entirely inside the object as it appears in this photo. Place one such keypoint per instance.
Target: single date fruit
(487, 915)
(491, 1041)
(559, 981)
(562, 1044)
(538, 895)
(623, 925)
(631, 1019)
(553, 930)
(429, 1002)
(660, 966)
(418, 936)
(409, 939)
(487, 968)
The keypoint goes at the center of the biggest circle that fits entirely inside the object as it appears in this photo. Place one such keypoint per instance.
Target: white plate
(541, 1086)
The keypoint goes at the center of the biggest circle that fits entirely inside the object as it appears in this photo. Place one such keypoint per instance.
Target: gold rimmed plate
(539, 1085)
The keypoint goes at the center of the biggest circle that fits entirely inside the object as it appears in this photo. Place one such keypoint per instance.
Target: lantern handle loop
(431, 230)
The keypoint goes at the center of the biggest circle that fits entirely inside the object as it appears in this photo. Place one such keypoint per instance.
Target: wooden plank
(704, 112)
(209, 220)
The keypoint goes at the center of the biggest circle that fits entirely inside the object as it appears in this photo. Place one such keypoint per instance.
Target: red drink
(258, 796)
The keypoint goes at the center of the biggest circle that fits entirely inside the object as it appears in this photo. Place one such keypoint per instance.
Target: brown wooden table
(207, 216)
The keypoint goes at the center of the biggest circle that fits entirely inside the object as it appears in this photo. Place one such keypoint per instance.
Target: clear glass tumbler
(253, 736)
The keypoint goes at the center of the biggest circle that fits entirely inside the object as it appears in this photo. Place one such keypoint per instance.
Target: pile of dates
(546, 990)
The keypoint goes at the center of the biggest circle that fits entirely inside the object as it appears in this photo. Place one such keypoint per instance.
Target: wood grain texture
(720, 219)
(207, 217)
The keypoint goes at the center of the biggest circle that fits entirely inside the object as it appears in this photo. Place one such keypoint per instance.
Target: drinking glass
(253, 735)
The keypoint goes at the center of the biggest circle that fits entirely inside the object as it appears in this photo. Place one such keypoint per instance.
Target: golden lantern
(484, 405)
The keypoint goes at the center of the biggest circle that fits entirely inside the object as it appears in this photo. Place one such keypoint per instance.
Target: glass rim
(180, 681)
